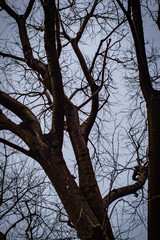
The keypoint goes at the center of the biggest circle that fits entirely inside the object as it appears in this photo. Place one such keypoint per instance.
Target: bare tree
(27, 207)
(51, 88)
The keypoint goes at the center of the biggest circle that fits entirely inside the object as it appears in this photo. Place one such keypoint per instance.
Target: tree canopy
(82, 75)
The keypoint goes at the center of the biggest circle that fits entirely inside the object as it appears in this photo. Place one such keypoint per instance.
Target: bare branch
(12, 56)
(21, 111)
(87, 125)
(16, 147)
(87, 180)
(54, 68)
(7, 124)
(29, 8)
(86, 19)
(137, 32)
(10, 11)
(124, 191)
(158, 17)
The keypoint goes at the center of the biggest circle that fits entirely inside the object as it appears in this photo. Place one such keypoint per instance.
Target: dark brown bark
(87, 180)
(130, 189)
(152, 99)
(80, 213)
(154, 166)
(2, 236)
(84, 204)
(153, 111)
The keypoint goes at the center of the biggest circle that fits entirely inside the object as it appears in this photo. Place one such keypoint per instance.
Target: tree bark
(75, 204)
(154, 166)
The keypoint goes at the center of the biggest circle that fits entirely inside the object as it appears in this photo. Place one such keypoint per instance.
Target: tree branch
(10, 11)
(24, 113)
(54, 68)
(87, 125)
(16, 147)
(32, 62)
(158, 17)
(124, 191)
(12, 56)
(29, 9)
(7, 124)
(137, 33)
(86, 19)
(87, 180)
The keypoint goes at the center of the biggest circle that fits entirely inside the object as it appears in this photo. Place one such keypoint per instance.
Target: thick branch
(21, 111)
(87, 180)
(138, 36)
(29, 9)
(124, 191)
(140, 49)
(158, 17)
(7, 124)
(16, 147)
(54, 68)
(58, 39)
(10, 11)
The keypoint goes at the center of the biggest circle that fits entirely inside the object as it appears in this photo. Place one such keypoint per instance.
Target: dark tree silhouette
(57, 89)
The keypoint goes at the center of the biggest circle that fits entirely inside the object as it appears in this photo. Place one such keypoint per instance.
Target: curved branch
(32, 62)
(124, 191)
(16, 147)
(7, 124)
(24, 113)
(87, 125)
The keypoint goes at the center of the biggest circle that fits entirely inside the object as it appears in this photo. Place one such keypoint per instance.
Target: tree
(57, 89)
(27, 209)
(151, 96)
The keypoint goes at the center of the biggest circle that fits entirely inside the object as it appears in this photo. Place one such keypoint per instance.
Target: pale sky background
(155, 34)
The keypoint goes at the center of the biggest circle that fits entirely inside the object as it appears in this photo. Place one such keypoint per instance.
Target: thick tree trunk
(154, 167)
(82, 217)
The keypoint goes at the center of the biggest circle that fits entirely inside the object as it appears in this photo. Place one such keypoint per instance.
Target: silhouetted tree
(50, 87)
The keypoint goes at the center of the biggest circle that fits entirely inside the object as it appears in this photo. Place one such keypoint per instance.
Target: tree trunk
(154, 166)
(82, 217)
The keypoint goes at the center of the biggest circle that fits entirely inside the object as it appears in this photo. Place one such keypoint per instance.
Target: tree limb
(87, 180)
(29, 9)
(12, 56)
(32, 62)
(16, 147)
(10, 11)
(137, 32)
(54, 68)
(87, 125)
(86, 19)
(124, 191)
(24, 113)
(7, 124)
